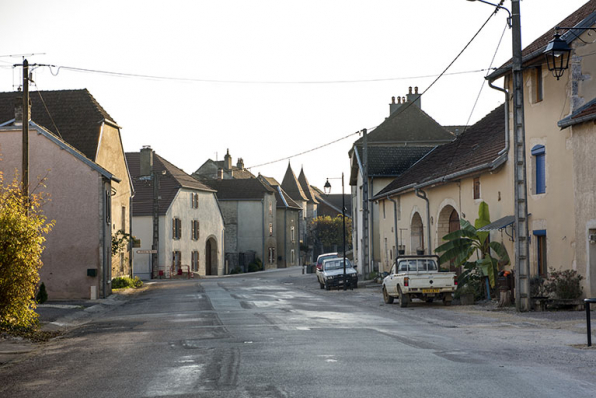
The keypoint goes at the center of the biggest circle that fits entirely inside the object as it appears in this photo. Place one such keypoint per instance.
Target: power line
(225, 81)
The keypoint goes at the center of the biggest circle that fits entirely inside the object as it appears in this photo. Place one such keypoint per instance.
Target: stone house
(190, 223)
(288, 223)
(222, 169)
(250, 218)
(75, 147)
(392, 147)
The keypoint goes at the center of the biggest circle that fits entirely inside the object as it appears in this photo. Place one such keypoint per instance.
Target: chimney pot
(416, 90)
(410, 90)
(393, 100)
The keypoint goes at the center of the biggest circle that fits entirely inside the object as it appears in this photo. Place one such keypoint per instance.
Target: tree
(328, 231)
(461, 245)
(21, 244)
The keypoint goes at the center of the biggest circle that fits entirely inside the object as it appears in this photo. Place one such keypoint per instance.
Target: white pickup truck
(418, 277)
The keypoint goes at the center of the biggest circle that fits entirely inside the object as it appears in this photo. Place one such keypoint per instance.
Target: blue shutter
(540, 173)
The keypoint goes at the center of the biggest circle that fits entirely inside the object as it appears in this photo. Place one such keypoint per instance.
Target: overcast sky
(266, 79)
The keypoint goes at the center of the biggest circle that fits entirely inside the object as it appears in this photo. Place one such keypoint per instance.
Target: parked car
(418, 277)
(332, 274)
(324, 257)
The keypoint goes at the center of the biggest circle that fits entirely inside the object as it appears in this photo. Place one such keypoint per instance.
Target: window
(292, 256)
(194, 200)
(270, 209)
(176, 261)
(176, 228)
(538, 153)
(541, 251)
(538, 87)
(123, 221)
(271, 255)
(270, 229)
(194, 260)
(194, 229)
(292, 234)
(477, 188)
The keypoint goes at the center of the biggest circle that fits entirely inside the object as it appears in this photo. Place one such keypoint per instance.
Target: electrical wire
(47, 110)
(223, 81)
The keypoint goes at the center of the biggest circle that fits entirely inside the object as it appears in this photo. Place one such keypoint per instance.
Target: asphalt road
(276, 334)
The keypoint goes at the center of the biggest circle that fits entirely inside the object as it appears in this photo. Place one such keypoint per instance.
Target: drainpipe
(395, 225)
(263, 228)
(421, 194)
(372, 226)
(506, 149)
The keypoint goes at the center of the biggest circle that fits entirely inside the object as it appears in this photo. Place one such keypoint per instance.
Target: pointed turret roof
(306, 187)
(291, 185)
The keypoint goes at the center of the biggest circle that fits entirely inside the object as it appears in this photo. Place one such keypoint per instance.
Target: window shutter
(540, 174)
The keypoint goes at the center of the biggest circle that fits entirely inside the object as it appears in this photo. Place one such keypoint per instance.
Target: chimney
(240, 164)
(18, 111)
(415, 98)
(228, 161)
(146, 160)
(394, 106)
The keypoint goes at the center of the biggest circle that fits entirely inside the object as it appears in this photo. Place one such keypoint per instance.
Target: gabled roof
(169, 184)
(73, 115)
(476, 150)
(237, 172)
(65, 146)
(306, 187)
(391, 161)
(582, 114)
(408, 124)
(585, 16)
(240, 189)
(333, 201)
(291, 185)
(284, 201)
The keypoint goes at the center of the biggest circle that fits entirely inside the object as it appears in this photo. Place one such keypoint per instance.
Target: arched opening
(211, 257)
(417, 235)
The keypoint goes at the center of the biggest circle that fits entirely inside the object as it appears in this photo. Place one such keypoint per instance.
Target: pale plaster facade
(78, 191)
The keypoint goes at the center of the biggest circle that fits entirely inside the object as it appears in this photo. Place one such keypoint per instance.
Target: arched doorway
(211, 257)
(417, 235)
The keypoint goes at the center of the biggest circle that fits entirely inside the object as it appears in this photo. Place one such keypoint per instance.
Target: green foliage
(42, 295)
(21, 245)
(461, 245)
(537, 287)
(329, 231)
(125, 282)
(119, 241)
(564, 285)
(236, 270)
(255, 265)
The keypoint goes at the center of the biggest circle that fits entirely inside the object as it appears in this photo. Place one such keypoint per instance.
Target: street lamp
(557, 54)
(327, 189)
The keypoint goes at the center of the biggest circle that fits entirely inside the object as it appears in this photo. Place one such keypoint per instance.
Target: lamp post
(327, 189)
(522, 249)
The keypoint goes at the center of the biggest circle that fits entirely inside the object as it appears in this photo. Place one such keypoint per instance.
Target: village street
(276, 334)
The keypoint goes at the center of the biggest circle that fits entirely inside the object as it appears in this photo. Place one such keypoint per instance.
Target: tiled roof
(169, 184)
(281, 196)
(408, 124)
(391, 161)
(333, 202)
(240, 189)
(73, 115)
(583, 114)
(478, 146)
(535, 49)
(306, 187)
(291, 185)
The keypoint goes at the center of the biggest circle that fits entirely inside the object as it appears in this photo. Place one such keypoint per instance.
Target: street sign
(146, 251)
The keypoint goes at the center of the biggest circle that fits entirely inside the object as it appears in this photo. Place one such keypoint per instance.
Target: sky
(266, 80)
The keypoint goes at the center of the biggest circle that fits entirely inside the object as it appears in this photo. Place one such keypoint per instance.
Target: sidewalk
(60, 316)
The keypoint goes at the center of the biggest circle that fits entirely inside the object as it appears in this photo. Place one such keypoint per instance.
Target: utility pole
(25, 145)
(522, 250)
(365, 243)
(155, 246)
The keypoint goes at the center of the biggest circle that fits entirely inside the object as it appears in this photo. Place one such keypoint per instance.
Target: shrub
(255, 265)
(125, 282)
(42, 295)
(22, 230)
(564, 285)
(236, 270)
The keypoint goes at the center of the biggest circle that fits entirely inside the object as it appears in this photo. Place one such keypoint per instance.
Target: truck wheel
(404, 300)
(327, 287)
(386, 297)
(322, 285)
(429, 299)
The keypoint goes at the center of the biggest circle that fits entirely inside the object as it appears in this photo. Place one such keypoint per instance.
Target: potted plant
(466, 294)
